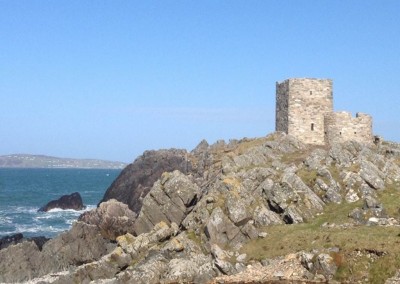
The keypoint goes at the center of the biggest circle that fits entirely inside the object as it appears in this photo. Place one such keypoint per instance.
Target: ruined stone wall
(301, 106)
(282, 106)
(342, 126)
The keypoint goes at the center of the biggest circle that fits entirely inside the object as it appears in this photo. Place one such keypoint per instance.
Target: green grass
(308, 176)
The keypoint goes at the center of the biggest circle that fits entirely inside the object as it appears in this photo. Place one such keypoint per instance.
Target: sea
(24, 191)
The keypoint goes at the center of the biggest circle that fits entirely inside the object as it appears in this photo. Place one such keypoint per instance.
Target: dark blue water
(24, 191)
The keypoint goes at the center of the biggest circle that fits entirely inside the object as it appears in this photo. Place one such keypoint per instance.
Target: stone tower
(301, 106)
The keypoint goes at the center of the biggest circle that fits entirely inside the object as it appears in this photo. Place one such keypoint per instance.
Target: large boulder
(83, 243)
(113, 219)
(136, 180)
(71, 201)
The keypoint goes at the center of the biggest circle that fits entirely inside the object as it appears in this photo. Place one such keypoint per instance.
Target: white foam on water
(56, 210)
(5, 220)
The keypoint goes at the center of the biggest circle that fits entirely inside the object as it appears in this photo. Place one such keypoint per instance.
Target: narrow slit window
(312, 126)
(310, 92)
(340, 133)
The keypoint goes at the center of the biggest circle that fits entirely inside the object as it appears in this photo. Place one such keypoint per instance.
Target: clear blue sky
(110, 79)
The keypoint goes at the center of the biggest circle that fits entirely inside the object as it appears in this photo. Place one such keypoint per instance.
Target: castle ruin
(304, 109)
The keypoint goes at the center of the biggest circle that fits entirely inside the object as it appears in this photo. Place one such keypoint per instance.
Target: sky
(111, 79)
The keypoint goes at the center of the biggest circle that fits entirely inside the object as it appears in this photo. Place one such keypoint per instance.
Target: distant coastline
(49, 162)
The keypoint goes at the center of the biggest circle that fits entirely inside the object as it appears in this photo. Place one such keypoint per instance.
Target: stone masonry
(304, 109)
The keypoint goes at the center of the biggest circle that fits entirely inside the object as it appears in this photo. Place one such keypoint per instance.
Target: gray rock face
(292, 198)
(221, 231)
(371, 175)
(113, 219)
(170, 200)
(136, 180)
(20, 262)
(142, 259)
(325, 265)
(83, 243)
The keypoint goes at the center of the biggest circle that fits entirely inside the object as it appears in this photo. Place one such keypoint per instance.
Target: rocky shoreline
(265, 210)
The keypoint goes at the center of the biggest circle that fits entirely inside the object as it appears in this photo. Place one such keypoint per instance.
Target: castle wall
(301, 106)
(342, 126)
(282, 106)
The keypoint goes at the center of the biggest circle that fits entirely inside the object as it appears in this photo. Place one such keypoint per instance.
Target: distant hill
(41, 161)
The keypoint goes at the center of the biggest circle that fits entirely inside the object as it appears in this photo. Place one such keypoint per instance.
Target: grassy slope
(365, 252)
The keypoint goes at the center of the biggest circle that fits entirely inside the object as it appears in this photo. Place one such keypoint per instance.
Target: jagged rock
(199, 215)
(372, 175)
(264, 217)
(201, 147)
(288, 269)
(357, 214)
(342, 154)
(179, 261)
(170, 200)
(105, 268)
(197, 269)
(22, 262)
(371, 203)
(221, 260)
(72, 201)
(315, 159)
(237, 210)
(307, 260)
(145, 272)
(325, 265)
(136, 180)
(113, 219)
(135, 245)
(82, 244)
(115, 263)
(372, 213)
(284, 143)
(221, 231)
(292, 198)
(351, 196)
(249, 230)
(331, 192)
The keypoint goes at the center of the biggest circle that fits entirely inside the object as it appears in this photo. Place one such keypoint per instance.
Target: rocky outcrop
(136, 180)
(71, 201)
(189, 217)
(82, 244)
(22, 262)
(146, 259)
(112, 218)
